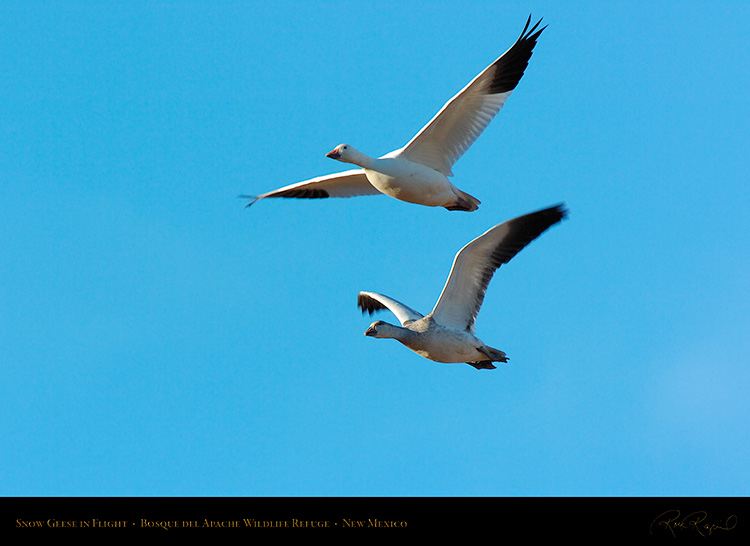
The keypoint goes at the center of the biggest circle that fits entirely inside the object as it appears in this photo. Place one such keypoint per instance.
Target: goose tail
(493, 355)
(464, 202)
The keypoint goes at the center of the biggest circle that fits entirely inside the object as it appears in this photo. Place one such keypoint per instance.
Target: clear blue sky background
(158, 338)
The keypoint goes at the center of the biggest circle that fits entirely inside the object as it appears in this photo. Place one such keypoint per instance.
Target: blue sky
(158, 338)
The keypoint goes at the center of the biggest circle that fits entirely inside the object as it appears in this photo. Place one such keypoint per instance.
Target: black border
(601, 518)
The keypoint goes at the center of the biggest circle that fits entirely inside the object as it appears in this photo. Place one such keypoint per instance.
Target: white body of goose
(418, 172)
(447, 333)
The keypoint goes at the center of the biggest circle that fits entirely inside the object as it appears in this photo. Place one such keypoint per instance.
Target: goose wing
(370, 302)
(459, 123)
(344, 184)
(476, 263)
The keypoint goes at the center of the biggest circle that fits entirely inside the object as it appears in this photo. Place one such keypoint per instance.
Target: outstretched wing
(344, 184)
(370, 302)
(459, 123)
(476, 263)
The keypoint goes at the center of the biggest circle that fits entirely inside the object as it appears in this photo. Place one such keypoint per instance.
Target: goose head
(382, 330)
(342, 152)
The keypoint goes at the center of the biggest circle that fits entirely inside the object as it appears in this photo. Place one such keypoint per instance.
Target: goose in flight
(447, 333)
(418, 172)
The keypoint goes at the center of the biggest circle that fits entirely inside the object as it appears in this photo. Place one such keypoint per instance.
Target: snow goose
(447, 333)
(418, 172)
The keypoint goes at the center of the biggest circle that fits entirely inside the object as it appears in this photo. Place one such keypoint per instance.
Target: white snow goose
(447, 333)
(418, 172)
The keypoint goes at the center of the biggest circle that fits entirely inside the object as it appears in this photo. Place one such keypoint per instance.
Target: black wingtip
(368, 305)
(535, 223)
(557, 212)
(362, 305)
(525, 27)
(528, 35)
(253, 199)
(509, 68)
